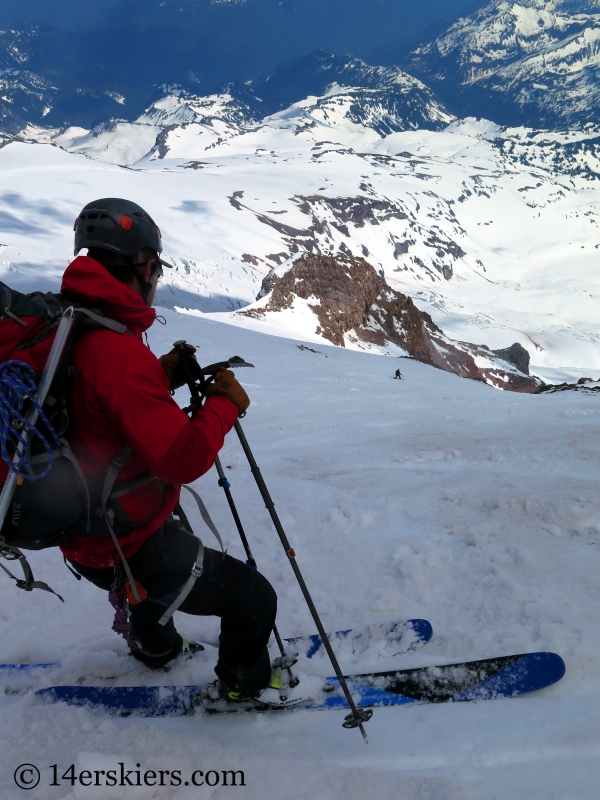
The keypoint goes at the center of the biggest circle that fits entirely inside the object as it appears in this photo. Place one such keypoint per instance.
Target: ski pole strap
(28, 583)
(197, 571)
(205, 516)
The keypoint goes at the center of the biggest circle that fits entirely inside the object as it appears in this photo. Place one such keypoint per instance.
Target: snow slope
(492, 231)
(432, 496)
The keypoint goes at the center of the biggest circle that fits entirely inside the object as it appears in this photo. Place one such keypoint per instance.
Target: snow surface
(428, 497)
(492, 231)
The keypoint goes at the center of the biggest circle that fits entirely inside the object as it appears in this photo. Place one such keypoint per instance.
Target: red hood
(90, 282)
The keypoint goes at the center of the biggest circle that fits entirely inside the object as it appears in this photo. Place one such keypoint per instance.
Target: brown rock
(353, 300)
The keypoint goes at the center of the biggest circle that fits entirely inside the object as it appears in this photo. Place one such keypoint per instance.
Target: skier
(121, 399)
(398, 375)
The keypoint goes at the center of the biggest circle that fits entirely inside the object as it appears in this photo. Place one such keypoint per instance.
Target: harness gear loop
(116, 465)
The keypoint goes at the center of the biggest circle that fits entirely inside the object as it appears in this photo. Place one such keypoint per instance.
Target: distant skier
(398, 375)
(121, 399)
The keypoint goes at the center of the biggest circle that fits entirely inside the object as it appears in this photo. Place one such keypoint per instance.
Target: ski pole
(194, 376)
(357, 717)
(284, 661)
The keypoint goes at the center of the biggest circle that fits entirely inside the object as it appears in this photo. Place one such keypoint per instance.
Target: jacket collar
(88, 281)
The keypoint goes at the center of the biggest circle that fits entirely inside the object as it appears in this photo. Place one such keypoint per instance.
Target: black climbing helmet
(117, 225)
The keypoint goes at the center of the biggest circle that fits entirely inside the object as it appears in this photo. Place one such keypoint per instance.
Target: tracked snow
(428, 497)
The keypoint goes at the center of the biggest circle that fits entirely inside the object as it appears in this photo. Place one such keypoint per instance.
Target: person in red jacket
(122, 400)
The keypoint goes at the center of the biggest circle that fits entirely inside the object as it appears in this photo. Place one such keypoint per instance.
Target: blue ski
(374, 641)
(506, 676)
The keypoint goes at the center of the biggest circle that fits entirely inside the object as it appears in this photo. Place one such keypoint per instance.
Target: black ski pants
(242, 597)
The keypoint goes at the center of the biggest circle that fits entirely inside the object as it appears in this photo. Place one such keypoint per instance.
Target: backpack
(45, 499)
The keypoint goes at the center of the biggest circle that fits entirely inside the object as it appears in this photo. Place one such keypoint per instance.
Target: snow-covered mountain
(352, 305)
(385, 99)
(491, 231)
(124, 49)
(531, 62)
(51, 77)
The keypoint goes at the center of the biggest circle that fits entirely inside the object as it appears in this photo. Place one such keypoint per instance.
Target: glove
(227, 385)
(174, 369)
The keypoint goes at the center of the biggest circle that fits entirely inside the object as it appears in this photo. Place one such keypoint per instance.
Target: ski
(505, 676)
(373, 642)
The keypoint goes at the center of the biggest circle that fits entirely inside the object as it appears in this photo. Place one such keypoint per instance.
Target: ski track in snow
(430, 497)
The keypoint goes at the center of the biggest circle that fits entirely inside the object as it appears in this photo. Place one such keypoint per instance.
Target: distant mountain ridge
(57, 78)
(517, 62)
(324, 86)
(53, 78)
(531, 62)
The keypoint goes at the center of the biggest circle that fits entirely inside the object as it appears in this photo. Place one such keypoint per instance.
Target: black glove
(173, 366)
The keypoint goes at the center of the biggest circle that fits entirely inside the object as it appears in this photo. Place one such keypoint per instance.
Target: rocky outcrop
(516, 355)
(585, 385)
(353, 304)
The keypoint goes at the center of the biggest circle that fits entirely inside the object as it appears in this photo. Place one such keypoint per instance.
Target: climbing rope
(17, 386)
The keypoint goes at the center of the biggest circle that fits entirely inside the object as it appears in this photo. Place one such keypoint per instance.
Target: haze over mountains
(341, 202)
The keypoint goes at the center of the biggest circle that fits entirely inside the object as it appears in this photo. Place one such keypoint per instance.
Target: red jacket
(123, 398)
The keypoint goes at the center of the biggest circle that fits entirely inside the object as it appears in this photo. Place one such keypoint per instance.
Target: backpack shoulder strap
(100, 321)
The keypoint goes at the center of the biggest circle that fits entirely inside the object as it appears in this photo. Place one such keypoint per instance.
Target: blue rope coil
(17, 386)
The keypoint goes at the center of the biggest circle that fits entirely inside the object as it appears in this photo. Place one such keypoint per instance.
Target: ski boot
(282, 692)
(188, 650)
